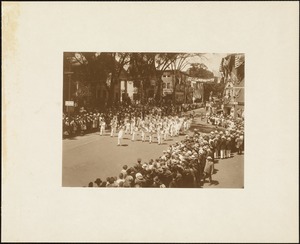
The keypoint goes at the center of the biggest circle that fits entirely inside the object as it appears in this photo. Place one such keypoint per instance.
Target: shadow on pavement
(71, 138)
(205, 128)
(77, 136)
(213, 182)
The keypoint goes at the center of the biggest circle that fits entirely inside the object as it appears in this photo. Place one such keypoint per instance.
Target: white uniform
(151, 131)
(102, 127)
(127, 126)
(143, 130)
(120, 136)
(159, 134)
(134, 131)
(177, 127)
(113, 124)
(185, 126)
(132, 126)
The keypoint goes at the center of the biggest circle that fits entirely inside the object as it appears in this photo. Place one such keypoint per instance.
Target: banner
(195, 80)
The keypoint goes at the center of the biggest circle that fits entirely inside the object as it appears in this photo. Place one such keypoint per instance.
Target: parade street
(88, 157)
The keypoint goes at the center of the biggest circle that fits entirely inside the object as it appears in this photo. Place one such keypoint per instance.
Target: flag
(239, 60)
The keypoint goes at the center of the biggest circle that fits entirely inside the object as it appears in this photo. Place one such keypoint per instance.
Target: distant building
(176, 86)
(198, 86)
(168, 82)
(233, 69)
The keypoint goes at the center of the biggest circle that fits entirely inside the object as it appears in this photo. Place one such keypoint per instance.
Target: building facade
(233, 71)
(176, 86)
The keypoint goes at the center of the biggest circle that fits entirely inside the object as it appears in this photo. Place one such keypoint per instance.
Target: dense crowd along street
(125, 115)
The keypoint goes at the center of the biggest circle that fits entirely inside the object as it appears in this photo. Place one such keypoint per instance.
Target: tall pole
(69, 89)
(69, 94)
(69, 73)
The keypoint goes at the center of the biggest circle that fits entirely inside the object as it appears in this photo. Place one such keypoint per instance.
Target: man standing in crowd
(208, 169)
(239, 142)
(223, 146)
(228, 147)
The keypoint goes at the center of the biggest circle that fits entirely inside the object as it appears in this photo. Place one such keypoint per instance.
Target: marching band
(148, 128)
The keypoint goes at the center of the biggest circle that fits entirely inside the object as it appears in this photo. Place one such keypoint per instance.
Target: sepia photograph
(198, 98)
(161, 120)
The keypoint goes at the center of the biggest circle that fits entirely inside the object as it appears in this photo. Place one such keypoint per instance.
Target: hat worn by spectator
(98, 181)
(139, 176)
(209, 158)
(156, 179)
(168, 173)
(111, 180)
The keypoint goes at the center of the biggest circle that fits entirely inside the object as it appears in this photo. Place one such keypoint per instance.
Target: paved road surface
(92, 156)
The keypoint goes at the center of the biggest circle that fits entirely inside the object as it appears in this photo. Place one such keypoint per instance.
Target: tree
(142, 69)
(147, 66)
(216, 89)
(93, 67)
(200, 70)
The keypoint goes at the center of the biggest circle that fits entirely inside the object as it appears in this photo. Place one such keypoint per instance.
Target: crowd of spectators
(84, 122)
(185, 164)
(223, 121)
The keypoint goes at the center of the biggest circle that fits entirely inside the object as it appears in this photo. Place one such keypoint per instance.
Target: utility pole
(69, 73)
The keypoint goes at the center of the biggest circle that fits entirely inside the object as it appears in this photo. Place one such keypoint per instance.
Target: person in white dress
(159, 133)
(172, 128)
(127, 126)
(102, 127)
(185, 126)
(120, 135)
(132, 125)
(134, 131)
(165, 130)
(151, 131)
(113, 125)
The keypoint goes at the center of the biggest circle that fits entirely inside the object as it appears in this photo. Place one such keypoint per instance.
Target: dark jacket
(223, 144)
